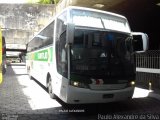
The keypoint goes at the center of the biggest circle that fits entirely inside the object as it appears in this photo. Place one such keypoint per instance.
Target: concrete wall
(22, 21)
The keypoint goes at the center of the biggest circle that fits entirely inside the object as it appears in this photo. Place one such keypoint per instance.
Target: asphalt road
(25, 99)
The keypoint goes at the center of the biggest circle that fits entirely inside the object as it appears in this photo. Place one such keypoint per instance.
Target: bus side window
(48, 34)
(61, 51)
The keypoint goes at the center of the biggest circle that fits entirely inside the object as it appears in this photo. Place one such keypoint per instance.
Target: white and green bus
(84, 56)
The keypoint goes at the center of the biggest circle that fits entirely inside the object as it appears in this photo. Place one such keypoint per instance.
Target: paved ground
(24, 99)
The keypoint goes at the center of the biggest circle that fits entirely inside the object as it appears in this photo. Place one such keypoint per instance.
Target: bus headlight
(132, 83)
(76, 84)
(79, 84)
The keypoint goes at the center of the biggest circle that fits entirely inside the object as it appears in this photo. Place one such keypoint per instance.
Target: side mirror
(140, 41)
(70, 32)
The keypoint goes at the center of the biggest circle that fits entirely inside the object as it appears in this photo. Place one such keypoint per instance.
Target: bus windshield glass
(108, 54)
(99, 20)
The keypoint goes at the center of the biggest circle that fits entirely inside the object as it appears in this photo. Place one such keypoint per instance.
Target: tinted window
(61, 50)
(44, 38)
(61, 25)
(101, 52)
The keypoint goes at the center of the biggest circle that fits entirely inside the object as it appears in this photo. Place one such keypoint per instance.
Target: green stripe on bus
(51, 54)
(41, 55)
(45, 55)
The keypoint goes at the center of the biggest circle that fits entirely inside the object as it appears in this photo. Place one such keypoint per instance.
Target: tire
(50, 90)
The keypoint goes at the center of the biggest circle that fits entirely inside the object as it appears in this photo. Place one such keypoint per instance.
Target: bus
(2, 56)
(3, 53)
(4, 62)
(84, 55)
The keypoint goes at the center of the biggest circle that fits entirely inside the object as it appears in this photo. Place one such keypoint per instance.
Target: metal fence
(148, 69)
(149, 59)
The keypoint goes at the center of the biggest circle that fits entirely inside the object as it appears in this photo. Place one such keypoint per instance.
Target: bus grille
(108, 86)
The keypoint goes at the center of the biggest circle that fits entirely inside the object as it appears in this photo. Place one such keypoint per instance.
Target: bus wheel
(50, 88)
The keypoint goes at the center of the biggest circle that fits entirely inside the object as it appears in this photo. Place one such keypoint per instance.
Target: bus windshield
(99, 20)
(108, 54)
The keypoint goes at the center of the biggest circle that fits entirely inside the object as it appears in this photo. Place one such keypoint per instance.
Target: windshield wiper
(102, 22)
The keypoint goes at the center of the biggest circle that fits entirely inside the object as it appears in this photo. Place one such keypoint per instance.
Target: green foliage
(33, 1)
(44, 1)
(56, 1)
